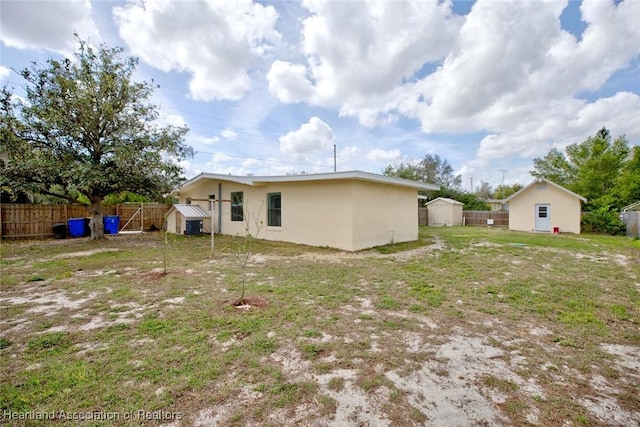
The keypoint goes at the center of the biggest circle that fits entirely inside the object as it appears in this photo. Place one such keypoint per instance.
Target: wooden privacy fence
(423, 218)
(22, 221)
(473, 218)
(632, 221)
(484, 218)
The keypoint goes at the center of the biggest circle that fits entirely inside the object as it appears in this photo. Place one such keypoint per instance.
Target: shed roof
(540, 180)
(632, 207)
(190, 211)
(447, 200)
(332, 176)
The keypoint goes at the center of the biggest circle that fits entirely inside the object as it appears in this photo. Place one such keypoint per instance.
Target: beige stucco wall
(564, 210)
(344, 214)
(441, 212)
(383, 214)
(172, 219)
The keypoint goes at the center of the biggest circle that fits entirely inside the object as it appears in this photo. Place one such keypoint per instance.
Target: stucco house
(496, 205)
(444, 211)
(545, 206)
(345, 210)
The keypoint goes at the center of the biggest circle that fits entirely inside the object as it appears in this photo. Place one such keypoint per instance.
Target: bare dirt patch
(86, 253)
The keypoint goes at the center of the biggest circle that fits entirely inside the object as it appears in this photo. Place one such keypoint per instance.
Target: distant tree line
(435, 170)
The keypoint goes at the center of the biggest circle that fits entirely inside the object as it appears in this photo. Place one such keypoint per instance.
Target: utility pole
(334, 158)
(471, 184)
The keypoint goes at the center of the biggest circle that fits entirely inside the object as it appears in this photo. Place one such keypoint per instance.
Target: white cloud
(289, 82)
(173, 120)
(379, 155)
(311, 138)
(4, 72)
(358, 50)
(618, 113)
(216, 42)
(229, 134)
(202, 141)
(47, 25)
(508, 69)
(349, 152)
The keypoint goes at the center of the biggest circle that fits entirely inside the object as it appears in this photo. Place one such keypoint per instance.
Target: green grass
(330, 311)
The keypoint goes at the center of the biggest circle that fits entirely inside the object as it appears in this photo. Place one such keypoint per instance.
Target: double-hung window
(274, 210)
(237, 209)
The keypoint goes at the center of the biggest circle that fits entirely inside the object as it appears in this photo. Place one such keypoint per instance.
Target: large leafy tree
(86, 128)
(504, 190)
(431, 169)
(627, 185)
(592, 168)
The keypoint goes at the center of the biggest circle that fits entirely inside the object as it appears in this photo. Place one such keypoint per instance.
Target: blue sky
(268, 88)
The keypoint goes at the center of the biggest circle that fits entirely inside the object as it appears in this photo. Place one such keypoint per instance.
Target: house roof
(332, 176)
(540, 180)
(446, 199)
(190, 211)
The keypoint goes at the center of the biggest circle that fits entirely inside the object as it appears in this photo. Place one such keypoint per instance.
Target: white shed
(444, 211)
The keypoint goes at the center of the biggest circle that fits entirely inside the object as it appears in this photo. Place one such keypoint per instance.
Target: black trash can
(60, 231)
(194, 227)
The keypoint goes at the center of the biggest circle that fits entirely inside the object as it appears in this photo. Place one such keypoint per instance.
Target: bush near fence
(23, 221)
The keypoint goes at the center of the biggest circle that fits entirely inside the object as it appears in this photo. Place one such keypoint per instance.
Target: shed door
(439, 215)
(543, 217)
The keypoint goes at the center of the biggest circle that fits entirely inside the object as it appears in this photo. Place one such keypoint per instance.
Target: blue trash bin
(76, 227)
(111, 224)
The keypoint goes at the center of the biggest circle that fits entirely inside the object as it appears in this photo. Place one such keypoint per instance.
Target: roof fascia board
(353, 175)
(537, 180)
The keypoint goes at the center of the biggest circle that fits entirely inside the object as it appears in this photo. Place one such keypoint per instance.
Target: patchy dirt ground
(477, 369)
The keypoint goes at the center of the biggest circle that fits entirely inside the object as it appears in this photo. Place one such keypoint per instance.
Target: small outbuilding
(444, 211)
(545, 206)
(187, 219)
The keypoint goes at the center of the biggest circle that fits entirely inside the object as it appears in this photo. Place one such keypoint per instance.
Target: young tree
(244, 249)
(85, 128)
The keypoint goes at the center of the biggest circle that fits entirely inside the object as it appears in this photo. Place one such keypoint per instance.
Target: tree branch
(61, 196)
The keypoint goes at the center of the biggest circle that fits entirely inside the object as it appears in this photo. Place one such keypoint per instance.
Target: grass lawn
(468, 326)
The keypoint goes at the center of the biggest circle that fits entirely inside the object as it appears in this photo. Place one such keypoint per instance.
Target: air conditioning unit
(489, 221)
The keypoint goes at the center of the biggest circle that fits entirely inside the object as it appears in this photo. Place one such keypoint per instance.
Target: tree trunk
(96, 225)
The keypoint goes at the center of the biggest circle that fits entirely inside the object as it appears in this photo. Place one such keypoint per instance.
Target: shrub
(602, 220)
